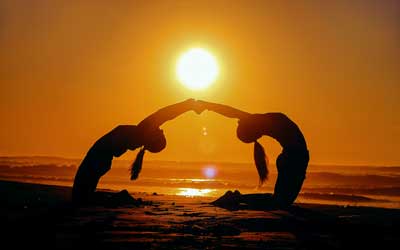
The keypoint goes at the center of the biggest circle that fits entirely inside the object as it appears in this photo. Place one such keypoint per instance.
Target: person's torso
(284, 130)
(114, 143)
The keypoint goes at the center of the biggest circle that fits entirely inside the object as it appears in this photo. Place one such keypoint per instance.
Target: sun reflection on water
(190, 192)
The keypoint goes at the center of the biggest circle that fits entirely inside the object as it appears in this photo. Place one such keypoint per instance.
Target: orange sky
(70, 72)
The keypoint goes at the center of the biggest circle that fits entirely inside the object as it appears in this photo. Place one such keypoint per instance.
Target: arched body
(98, 160)
(293, 160)
(146, 134)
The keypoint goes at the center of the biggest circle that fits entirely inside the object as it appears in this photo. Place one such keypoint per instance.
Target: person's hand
(199, 107)
(203, 105)
(194, 105)
(190, 102)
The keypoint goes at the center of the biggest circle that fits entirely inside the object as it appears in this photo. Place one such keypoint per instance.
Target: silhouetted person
(291, 163)
(146, 135)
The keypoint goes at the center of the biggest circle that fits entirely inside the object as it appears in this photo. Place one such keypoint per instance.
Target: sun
(197, 69)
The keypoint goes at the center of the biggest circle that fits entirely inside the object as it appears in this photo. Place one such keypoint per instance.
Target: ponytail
(261, 162)
(137, 164)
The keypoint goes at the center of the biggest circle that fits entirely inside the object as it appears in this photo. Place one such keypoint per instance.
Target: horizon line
(188, 161)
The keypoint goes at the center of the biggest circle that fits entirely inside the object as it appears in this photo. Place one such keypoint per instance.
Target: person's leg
(83, 185)
(280, 189)
(287, 189)
(87, 178)
(291, 175)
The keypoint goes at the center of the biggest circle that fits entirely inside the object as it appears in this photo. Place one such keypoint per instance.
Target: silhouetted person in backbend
(146, 135)
(291, 163)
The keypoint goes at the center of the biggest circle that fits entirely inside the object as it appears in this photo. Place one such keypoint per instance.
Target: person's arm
(168, 113)
(224, 109)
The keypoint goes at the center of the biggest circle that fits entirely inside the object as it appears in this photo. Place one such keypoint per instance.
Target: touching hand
(203, 105)
(198, 107)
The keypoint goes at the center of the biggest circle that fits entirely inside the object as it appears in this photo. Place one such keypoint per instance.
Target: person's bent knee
(83, 189)
(282, 202)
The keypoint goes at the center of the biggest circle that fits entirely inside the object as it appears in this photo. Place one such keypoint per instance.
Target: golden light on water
(190, 192)
(197, 69)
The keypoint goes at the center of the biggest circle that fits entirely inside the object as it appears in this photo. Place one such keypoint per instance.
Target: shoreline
(307, 196)
(41, 215)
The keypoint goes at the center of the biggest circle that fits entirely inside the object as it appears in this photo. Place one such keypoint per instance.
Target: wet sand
(42, 216)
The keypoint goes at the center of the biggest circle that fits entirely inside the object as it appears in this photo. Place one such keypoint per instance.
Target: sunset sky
(70, 71)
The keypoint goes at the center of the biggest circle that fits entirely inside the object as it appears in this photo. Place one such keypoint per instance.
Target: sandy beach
(35, 215)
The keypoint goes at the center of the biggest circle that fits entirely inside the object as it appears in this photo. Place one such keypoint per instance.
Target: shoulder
(124, 129)
(275, 115)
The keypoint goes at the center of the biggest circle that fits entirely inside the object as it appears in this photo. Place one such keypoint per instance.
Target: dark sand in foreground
(34, 215)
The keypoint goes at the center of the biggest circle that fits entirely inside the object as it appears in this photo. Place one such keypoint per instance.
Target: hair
(137, 164)
(261, 162)
(155, 142)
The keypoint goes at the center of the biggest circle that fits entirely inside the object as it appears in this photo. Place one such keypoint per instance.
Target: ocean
(376, 186)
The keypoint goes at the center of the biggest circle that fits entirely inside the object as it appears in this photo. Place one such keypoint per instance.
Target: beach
(37, 215)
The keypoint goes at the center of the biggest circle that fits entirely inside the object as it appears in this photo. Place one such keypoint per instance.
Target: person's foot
(230, 200)
(122, 198)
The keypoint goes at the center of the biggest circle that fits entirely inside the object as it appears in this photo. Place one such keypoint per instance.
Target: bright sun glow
(197, 69)
(194, 192)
